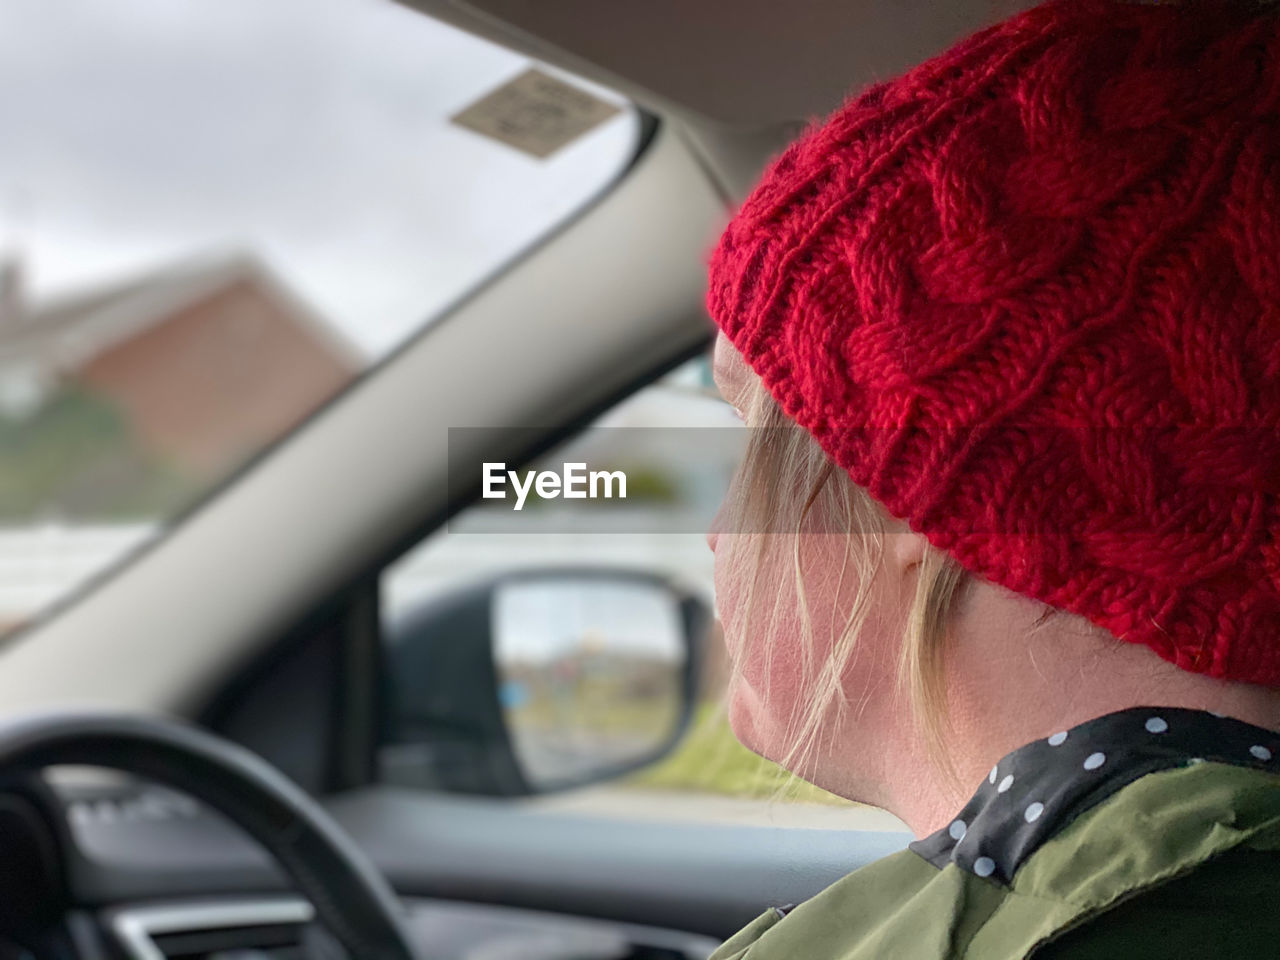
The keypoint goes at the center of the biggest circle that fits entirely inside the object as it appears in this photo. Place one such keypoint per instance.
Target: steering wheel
(351, 899)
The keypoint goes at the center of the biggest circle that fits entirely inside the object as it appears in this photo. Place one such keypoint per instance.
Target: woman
(1004, 553)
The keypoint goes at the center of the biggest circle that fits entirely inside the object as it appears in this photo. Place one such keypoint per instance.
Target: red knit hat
(1028, 296)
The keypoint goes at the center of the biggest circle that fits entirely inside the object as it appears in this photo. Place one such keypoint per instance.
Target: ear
(904, 549)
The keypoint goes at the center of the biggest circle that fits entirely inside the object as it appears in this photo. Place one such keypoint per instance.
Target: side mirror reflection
(541, 680)
(591, 672)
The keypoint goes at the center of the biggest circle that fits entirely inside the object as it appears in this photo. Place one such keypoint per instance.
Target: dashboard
(116, 893)
(278, 929)
(146, 873)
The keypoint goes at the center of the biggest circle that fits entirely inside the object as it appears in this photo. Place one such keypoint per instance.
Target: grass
(710, 760)
(596, 708)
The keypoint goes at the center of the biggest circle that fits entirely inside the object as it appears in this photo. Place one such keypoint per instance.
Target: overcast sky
(313, 132)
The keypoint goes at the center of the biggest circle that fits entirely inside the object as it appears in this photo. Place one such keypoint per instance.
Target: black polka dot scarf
(1038, 789)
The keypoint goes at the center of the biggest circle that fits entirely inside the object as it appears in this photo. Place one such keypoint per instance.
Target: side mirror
(539, 681)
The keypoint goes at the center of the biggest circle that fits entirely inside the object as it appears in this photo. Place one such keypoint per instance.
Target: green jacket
(1176, 857)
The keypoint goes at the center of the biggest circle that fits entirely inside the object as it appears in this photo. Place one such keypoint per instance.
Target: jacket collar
(1038, 789)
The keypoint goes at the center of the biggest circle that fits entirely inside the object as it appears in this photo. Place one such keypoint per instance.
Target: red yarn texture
(1028, 296)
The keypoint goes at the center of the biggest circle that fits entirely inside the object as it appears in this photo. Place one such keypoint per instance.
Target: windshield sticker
(536, 113)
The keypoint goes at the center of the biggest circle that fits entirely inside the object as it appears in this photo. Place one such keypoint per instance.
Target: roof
(70, 330)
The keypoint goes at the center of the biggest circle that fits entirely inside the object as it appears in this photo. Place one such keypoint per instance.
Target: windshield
(215, 214)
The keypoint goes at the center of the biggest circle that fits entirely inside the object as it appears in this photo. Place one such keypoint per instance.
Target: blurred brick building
(207, 360)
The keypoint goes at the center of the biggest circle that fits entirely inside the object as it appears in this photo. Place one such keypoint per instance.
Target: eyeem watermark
(573, 482)
(646, 480)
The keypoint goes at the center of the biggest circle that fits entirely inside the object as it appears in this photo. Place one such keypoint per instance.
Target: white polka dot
(1005, 784)
(957, 829)
(984, 866)
(1215, 713)
(1058, 739)
(1033, 812)
(1195, 760)
(1157, 725)
(991, 777)
(1262, 753)
(1094, 760)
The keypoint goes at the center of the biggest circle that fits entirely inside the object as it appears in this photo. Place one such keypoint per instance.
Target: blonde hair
(788, 489)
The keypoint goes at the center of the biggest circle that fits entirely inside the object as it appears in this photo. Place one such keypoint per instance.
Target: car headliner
(739, 63)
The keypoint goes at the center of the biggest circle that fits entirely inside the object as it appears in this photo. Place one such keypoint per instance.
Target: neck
(1002, 702)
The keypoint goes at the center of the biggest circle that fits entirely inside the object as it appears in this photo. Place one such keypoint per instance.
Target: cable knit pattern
(1028, 295)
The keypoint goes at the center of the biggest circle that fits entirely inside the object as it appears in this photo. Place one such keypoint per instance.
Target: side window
(678, 444)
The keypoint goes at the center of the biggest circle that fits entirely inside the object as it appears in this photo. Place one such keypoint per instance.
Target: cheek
(755, 596)
(765, 696)
(774, 656)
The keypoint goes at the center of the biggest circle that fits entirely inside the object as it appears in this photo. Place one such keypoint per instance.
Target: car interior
(194, 746)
